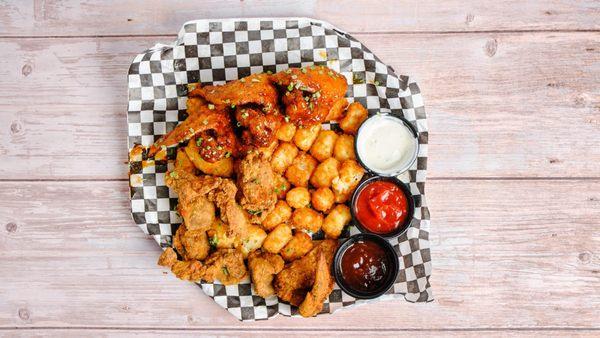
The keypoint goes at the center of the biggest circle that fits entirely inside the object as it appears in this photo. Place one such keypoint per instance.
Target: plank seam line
(440, 178)
(120, 328)
(491, 31)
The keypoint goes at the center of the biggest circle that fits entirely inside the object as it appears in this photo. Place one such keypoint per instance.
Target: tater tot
(307, 219)
(281, 186)
(277, 238)
(337, 110)
(335, 222)
(322, 148)
(280, 214)
(297, 247)
(355, 115)
(252, 240)
(305, 137)
(350, 175)
(322, 199)
(286, 132)
(344, 148)
(283, 157)
(301, 169)
(325, 173)
(298, 197)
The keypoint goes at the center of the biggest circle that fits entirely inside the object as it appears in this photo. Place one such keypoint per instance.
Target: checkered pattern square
(217, 51)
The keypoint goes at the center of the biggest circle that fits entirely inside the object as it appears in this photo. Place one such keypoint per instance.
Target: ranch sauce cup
(386, 145)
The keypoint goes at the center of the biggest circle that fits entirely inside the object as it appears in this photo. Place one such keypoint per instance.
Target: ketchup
(364, 266)
(381, 207)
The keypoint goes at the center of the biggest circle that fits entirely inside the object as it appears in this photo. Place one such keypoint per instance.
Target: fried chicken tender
(188, 270)
(191, 244)
(311, 92)
(254, 89)
(168, 258)
(313, 303)
(197, 211)
(256, 181)
(295, 280)
(195, 191)
(263, 268)
(226, 265)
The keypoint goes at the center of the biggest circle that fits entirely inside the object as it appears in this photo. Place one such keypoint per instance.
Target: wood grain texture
(190, 332)
(114, 17)
(499, 105)
(507, 254)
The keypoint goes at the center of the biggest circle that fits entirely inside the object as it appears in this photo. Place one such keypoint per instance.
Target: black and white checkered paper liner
(217, 51)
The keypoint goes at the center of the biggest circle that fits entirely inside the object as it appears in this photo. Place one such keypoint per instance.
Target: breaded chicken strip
(263, 267)
(191, 244)
(256, 180)
(296, 279)
(313, 303)
(226, 265)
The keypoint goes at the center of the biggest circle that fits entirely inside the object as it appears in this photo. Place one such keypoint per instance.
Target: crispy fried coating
(263, 267)
(322, 287)
(297, 247)
(167, 258)
(311, 92)
(350, 174)
(197, 211)
(295, 280)
(226, 265)
(256, 181)
(191, 244)
(188, 270)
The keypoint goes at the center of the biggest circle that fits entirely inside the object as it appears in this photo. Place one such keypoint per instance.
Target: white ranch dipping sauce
(386, 145)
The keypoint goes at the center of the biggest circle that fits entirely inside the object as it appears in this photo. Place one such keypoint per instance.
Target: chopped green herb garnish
(199, 141)
(287, 118)
(192, 130)
(238, 124)
(290, 87)
(357, 80)
(225, 271)
(303, 70)
(376, 83)
(233, 106)
(208, 147)
(228, 154)
(205, 122)
(213, 241)
(254, 212)
(269, 72)
(173, 174)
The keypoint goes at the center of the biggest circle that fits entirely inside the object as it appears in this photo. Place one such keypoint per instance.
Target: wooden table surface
(512, 92)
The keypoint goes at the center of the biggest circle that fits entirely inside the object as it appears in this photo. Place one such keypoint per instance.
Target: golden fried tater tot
(344, 148)
(322, 148)
(337, 110)
(355, 115)
(277, 238)
(325, 173)
(282, 186)
(280, 214)
(283, 157)
(297, 247)
(298, 197)
(305, 137)
(301, 169)
(252, 240)
(350, 175)
(322, 199)
(286, 132)
(307, 219)
(335, 222)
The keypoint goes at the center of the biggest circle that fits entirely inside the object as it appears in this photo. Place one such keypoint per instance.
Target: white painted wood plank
(506, 254)
(131, 17)
(507, 105)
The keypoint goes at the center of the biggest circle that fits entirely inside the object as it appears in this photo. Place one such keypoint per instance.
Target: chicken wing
(263, 267)
(295, 280)
(311, 92)
(260, 127)
(257, 183)
(313, 303)
(226, 265)
(255, 89)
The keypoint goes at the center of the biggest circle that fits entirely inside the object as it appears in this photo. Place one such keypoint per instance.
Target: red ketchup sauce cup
(382, 206)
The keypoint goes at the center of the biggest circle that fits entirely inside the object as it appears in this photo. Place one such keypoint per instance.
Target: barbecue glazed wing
(263, 267)
(311, 92)
(295, 280)
(255, 89)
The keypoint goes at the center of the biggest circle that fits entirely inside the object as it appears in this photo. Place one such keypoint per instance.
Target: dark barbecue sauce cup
(365, 266)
